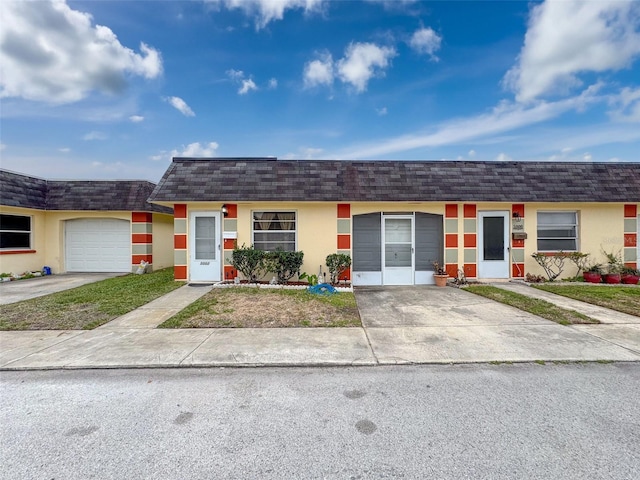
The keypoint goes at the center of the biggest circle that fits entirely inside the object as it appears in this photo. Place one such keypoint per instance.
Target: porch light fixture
(225, 211)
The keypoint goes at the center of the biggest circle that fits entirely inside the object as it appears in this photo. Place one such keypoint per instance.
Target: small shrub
(337, 263)
(531, 278)
(614, 261)
(580, 260)
(311, 279)
(552, 264)
(284, 264)
(249, 261)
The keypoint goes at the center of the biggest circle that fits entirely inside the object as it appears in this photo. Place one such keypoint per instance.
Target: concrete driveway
(18, 290)
(430, 324)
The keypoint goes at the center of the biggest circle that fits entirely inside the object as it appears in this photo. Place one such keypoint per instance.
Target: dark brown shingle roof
(18, 190)
(239, 179)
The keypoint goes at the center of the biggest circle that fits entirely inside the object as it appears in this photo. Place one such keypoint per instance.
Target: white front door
(397, 255)
(204, 247)
(493, 245)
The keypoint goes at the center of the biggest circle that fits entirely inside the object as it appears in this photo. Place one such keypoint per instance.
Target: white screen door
(398, 250)
(493, 245)
(204, 247)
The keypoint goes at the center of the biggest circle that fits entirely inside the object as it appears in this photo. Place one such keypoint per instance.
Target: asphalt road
(578, 421)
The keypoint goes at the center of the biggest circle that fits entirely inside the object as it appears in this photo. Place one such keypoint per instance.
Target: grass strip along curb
(535, 306)
(88, 306)
(622, 299)
(266, 308)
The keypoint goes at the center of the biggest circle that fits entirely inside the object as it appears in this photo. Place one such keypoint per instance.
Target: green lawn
(88, 306)
(267, 308)
(622, 299)
(532, 305)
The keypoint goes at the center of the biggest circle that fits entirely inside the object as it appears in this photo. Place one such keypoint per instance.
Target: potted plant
(593, 273)
(614, 267)
(440, 275)
(630, 276)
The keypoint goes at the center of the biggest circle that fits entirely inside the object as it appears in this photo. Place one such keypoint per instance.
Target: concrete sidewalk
(402, 325)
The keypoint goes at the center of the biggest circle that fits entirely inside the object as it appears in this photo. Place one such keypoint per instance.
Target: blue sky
(114, 89)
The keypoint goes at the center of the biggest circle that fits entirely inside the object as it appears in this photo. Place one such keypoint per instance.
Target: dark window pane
(557, 244)
(15, 240)
(15, 222)
(493, 238)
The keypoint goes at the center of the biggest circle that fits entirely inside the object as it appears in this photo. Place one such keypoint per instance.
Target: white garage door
(98, 245)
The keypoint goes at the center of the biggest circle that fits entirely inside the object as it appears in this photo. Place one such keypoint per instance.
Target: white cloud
(247, 86)
(193, 150)
(381, 111)
(52, 53)
(567, 38)
(426, 41)
(64, 150)
(319, 72)
(503, 157)
(3, 146)
(197, 150)
(235, 74)
(505, 117)
(180, 105)
(626, 106)
(362, 61)
(273, 84)
(136, 118)
(265, 11)
(472, 153)
(95, 135)
(587, 157)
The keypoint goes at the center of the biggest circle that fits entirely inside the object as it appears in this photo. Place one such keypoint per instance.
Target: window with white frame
(274, 230)
(557, 231)
(15, 232)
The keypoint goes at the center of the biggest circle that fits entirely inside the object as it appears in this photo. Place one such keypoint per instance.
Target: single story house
(81, 226)
(395, 218)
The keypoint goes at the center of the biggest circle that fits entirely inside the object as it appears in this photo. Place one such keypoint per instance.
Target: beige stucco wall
(162, 241)
(21, 262)
(600, 227)
(317, 229)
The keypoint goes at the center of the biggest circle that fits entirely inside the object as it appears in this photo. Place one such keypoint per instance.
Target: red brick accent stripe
(179, 210)
(630, 240)
(451, 210)
(136, 259)
(344, 210)
(470, 211)
(451, 240)
(229, 272)
(180, 272)
(630, 211)
(515, 272)
(180, 241)
(452, 269)
(344, 242)
(141, 217)
(141, 238)
(232, 210)
(518, 208)
(229, 244)
(470, 240)
(470, 270)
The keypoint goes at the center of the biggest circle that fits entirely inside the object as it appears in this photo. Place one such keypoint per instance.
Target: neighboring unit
(81, 226)
(395, 218)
